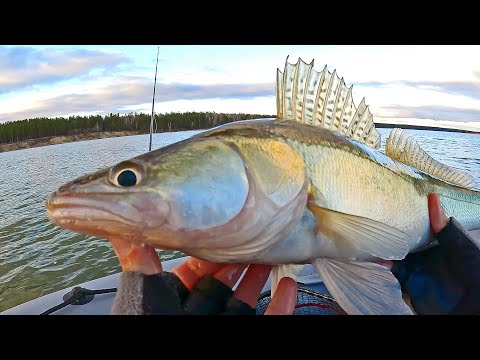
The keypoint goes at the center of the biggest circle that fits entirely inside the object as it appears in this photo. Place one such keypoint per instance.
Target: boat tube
(96, 297)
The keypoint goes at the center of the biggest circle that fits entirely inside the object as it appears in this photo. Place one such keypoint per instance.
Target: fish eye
(127, 177)
(126, 174)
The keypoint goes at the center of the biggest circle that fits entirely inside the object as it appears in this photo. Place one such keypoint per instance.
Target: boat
(96, 297)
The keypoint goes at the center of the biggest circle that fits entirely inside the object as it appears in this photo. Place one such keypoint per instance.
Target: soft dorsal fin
(322, 99)
(403, 147)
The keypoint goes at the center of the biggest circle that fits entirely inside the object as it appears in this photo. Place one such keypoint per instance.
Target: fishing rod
(153, 101)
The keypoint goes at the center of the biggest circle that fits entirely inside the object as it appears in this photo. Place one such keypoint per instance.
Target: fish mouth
(100, 216)
(97, 215)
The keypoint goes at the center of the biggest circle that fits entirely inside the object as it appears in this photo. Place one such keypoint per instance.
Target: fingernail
(194, 264)
(230, 274)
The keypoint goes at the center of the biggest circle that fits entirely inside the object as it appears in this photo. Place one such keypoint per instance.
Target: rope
(78, 295)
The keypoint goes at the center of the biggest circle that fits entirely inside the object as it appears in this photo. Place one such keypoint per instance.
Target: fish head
(221, 199)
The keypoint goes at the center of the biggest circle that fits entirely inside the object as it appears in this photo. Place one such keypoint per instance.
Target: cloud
(175, 91)
(209, 68)
(469, 89)
(435, 112)
(126, 95)
(21, 67)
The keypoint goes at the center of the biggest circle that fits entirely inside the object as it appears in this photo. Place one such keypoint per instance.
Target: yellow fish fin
(365, 235)
(402, 146)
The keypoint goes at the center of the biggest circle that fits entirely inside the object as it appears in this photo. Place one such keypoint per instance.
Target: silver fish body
(240, 207)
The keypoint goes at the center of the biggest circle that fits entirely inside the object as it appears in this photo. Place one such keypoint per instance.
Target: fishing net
(308, 303)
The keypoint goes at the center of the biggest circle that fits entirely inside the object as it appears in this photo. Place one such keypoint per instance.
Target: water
(37, 257)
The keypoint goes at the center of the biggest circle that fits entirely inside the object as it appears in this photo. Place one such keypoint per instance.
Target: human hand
(438, 219)
(201, 287)
(443, 279)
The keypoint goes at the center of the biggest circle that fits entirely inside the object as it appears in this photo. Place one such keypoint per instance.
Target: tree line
(39, 127)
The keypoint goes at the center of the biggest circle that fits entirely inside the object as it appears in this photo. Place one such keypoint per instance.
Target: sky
(418, 84)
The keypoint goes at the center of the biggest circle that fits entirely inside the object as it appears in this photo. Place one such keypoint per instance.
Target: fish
(310, 186)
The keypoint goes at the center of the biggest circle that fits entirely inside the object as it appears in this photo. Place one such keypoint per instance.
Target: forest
(41, 127)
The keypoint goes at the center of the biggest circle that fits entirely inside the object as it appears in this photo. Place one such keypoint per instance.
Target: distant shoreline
(54, 140)
(420, 127)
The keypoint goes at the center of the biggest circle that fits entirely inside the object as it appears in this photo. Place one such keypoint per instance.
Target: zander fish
(308, 187)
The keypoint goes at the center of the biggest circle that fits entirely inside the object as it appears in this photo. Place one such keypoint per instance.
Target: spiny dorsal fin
(403, 147)
(322, 99)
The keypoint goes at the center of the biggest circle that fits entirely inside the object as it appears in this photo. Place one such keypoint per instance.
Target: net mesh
(308, 303)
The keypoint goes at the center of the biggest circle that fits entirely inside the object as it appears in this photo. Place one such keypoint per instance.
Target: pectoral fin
(366, 235)
(362, 288)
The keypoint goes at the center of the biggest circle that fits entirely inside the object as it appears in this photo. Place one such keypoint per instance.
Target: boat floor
(101, 303)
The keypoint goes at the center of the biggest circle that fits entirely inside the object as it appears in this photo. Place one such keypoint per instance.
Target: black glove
(444, 279)
(165, 294)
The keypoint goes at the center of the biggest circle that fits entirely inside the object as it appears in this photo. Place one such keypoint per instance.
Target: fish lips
(107, 215)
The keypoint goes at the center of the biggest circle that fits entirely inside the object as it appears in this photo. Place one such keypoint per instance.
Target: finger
(193, 269)
(438, 219)
(230, 273)
(212, 293)
(252, 284)
(135, 257)
(387, 263)
(285, 298)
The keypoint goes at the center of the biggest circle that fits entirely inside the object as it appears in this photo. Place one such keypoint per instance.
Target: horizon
(400, 122)
(413, 85)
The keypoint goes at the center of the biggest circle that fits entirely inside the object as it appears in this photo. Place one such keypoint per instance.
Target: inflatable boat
(96, 297)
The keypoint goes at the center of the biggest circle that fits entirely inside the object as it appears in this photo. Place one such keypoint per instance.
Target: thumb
(438, 219)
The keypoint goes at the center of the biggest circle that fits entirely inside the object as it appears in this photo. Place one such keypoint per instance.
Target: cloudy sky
(431, 85)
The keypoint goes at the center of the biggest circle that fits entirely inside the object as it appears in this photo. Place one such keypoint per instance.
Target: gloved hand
(199, 287)
(444, 279)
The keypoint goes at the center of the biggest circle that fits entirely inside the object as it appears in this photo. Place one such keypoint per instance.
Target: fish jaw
(119, 222)
(107, 215)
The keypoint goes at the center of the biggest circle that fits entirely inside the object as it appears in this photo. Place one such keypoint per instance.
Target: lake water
(37, 257)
